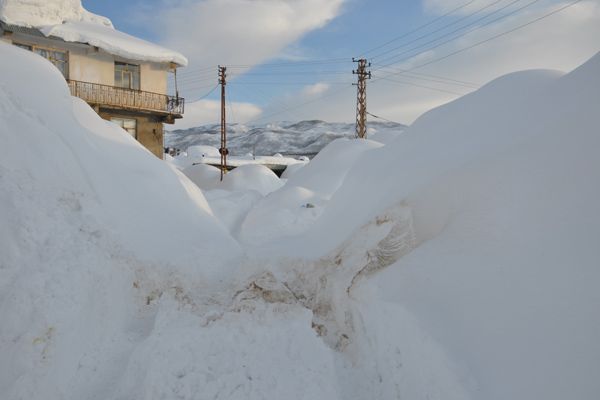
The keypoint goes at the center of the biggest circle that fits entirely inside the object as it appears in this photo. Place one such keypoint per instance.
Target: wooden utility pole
(361, 96)
(223, 150)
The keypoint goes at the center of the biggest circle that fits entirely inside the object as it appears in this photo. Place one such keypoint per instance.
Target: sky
(292, 59)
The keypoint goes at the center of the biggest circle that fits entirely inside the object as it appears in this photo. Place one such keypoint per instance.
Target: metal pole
(223, 150)
(361, 97)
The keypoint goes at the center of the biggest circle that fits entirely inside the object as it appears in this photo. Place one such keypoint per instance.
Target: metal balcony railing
(96, 93)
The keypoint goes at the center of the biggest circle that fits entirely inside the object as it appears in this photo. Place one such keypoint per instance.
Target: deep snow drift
(457, 261)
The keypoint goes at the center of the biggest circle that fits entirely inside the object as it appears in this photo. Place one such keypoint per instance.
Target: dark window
(127, 75)
(23, 46)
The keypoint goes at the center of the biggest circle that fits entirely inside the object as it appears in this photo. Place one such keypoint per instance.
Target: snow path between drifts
(281, 301)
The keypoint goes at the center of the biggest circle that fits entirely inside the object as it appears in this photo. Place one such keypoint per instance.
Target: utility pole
(223, 150)
(361, 96)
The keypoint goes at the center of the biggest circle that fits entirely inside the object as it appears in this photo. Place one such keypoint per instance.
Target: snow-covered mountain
(298, 138)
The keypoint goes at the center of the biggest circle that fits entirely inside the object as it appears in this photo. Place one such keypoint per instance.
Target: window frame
(131, 74)
(34, 47)
(118, 120)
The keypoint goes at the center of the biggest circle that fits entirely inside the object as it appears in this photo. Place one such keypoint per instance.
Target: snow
(113, 42)
(456, 260)
(251, 177)
(68, 20)
(38, 13)
(84, 210)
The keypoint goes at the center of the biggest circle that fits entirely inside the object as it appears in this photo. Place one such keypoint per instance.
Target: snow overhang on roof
(69, 21)
(114, 42)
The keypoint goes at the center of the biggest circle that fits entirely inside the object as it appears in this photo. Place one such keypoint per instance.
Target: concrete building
(122, 77)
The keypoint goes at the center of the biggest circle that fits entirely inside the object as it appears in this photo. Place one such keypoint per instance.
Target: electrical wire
(383, 119)
(426, 44)
(441, 28)
(488, 39)
(417, 28)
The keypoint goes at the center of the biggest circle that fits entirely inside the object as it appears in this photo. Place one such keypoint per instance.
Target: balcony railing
(126, 98)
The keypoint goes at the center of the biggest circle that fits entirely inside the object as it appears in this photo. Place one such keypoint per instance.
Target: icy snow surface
(458, 260)
(68, 20)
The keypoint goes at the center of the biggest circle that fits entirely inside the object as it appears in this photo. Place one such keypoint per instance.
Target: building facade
(129, 90)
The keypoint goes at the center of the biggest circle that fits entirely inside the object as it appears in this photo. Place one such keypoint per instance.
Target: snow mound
(288, 211)
(251, 177)
(506, 217)
(325, 173)
(200, 151)
(93, 230)
(292, 169)
(205, 176)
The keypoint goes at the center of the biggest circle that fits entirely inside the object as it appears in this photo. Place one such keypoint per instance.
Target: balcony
(111, 96)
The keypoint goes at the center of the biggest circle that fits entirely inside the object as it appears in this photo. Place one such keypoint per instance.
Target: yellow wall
(153, 78)
(87, 64)
(92, 67)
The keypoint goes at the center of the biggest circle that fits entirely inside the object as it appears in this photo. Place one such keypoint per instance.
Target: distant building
(122, 77)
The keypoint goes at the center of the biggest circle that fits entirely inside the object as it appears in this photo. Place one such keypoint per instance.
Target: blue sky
(255, 32)
(360, 25)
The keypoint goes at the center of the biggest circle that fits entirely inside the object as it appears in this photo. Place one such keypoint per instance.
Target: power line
(441, 80)
(466, 83)
(293, 63)
(384, 119)
(489, 39)
(459, 29)
(439, 29)
(422, 86)
(418, 28)
(207, 94)
(302, 104)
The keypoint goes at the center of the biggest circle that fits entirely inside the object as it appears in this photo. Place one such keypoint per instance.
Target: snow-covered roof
(69, 21)
(114, 42)
(37, 13)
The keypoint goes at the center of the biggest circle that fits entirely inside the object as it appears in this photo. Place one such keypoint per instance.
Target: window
(127, 75)
(23, 46)
(58, 58)
(130, 125)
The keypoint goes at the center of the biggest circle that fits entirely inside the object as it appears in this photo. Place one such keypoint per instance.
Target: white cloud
(208, 112)
(211, 32)
(316, 89)
(562, 41)
(458, 7)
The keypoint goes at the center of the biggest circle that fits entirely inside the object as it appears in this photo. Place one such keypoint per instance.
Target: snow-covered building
(122, 77)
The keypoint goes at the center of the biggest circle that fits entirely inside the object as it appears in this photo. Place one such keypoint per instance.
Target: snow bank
(200, 151)
(297, 205)
(501, 186)
(105, 166)
(325, 173)
(266, 354)
(459, 261)
(93, 228)
(68, 20)
(206, 177)
(251, 177)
